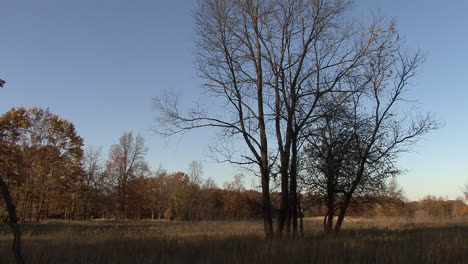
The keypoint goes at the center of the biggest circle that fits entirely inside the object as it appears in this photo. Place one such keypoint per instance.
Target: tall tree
(126, 160)
(310, 49)
(230, 58)
(269, 62)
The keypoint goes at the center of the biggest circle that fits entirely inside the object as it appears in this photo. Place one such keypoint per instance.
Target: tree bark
(12, 222)
(293, 187)
(342, 214)
(328, 225)
(283, 217)
(266, 202)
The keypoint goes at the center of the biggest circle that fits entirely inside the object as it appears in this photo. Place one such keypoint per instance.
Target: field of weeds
(361, 241)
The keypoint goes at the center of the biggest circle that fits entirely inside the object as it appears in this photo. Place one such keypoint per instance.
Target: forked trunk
(342, 214)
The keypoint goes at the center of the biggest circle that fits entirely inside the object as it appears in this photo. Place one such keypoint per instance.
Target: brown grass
(362, 241)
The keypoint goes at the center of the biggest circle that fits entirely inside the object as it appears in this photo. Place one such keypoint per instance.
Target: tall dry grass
(362, 241)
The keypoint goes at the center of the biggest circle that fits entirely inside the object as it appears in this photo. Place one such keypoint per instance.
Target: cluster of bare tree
(317, 98)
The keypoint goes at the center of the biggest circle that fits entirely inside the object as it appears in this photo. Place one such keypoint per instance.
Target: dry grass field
(362, 241)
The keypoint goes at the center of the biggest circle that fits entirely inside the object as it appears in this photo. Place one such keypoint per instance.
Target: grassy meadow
(362, 241)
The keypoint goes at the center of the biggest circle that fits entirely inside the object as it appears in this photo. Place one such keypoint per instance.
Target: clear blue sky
(99, 63)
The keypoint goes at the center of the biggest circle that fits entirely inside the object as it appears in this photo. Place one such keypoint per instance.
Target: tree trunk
(266, 204)
(23, 208)
(301, 217)
(283, 216)
(342, 214)
(328, 221)
(85, 207)
(12, 222)
(293, 187)
(73, 207)
(160, 213)
(123, 198)
(328, 225)
(41, 208)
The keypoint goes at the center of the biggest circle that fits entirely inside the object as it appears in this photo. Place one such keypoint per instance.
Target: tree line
(50, 176)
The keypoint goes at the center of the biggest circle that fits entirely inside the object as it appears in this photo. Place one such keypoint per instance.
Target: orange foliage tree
(41, 159)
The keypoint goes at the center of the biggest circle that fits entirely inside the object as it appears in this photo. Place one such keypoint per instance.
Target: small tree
(354, 147)
(126, 160)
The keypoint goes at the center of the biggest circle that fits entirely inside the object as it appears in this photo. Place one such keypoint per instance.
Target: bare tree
(354, 148)
(209, 184)
(195, 172)
(269, 63)
(311, 50)
(125, 160)
(230, 59)
(92, 167)
(465, 191)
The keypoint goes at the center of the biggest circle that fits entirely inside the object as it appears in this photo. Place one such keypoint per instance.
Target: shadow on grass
(166, 242)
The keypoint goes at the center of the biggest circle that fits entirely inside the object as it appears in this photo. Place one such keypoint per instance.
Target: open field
(362, 241)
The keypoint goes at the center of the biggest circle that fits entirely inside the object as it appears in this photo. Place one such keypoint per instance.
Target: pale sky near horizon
(99, 63)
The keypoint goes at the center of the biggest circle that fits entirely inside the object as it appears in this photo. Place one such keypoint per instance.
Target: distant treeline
(50, 176)
(173, 196)
(385, 206)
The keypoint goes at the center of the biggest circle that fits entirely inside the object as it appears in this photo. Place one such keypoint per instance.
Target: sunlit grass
(362, 241)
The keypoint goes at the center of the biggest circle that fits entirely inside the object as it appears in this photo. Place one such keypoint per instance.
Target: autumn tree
(41, 156)
(138, 197)
(160, 189)
(126, 160)
(44, 163)
(11, 208)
